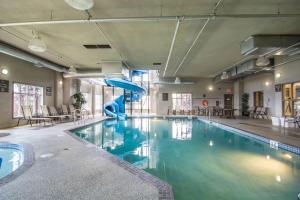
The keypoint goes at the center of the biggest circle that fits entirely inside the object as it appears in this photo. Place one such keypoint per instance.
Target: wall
(197, 90)
(289, 72)
(23, 72)
(258, 83)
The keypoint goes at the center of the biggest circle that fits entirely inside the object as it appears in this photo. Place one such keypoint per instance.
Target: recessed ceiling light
(267, 83)
(210, 88)
(80, 4)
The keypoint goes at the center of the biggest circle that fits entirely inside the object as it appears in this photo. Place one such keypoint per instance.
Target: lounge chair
(295, 119)
(46, 113)
(53, 112)
(27, 115)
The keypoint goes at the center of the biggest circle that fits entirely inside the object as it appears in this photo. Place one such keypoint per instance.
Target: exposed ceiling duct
(243, 69)
(107, 69)
(23, 55)
(268, 45)
(177, 81)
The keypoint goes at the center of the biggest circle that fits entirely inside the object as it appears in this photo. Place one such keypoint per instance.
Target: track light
(36, 43)
(80, 4)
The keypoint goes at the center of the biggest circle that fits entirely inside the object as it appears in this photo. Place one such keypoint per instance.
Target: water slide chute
(116, 108)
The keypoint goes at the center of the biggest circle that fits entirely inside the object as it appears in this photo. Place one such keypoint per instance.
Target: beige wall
(197, 90)
(289, 72)
(258, 83)
(23, 72)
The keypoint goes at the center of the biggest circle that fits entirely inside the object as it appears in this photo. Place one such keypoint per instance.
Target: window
(86, 105)
(182, 101)
(98, 102)
(27, 95)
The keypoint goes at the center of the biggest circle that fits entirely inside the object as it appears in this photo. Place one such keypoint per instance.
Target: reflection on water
(200, 161)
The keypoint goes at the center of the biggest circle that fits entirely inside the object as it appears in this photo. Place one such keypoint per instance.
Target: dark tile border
(29, 159)
(164, 189)
(252, 135)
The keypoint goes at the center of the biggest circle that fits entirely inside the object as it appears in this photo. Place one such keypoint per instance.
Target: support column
(94, 99)
(58, 89)
(238, 90)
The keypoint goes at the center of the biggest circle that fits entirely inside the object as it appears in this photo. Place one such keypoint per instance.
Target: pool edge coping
(29, 159)
(165, 191)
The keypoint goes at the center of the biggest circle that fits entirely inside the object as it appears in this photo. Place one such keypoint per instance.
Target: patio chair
(45, 113)
(257, 112)
(27, 115)
(53, 112)
(251, 112)
(263, 113)
(295, 120)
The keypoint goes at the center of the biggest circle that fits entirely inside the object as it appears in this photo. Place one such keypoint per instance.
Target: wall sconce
(60, 82)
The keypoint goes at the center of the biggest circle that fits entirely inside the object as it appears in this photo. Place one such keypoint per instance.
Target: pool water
(199, 160)
(10, 160)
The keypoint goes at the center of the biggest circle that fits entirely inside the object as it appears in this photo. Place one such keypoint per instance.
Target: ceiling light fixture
(4, 71)
(80, 4)
(210, 88)
(262, 61)
(36, 43)
(224, 76)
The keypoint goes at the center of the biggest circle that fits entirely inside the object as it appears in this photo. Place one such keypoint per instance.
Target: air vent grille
(156, 63)
(97, 46)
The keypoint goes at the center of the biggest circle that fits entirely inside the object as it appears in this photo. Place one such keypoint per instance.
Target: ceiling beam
(172, 45)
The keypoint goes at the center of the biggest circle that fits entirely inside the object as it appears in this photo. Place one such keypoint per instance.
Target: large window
(27, 95)
(182, 101)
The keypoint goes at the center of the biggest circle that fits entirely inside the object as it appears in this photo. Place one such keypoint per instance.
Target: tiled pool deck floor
(66, 168)
(75, 171)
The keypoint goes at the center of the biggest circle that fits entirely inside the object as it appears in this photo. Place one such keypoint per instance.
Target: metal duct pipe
(93, 75)
(23, 55)
(152, 18)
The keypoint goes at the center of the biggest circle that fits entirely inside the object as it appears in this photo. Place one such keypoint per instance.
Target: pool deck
(75, 170)
(263, 127)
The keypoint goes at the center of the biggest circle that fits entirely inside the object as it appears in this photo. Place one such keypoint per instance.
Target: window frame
(182, 97)
(13, 94)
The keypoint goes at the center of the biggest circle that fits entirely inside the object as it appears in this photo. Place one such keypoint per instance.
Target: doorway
(258, 99)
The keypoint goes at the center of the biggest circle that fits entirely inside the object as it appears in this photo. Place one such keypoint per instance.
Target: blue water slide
(116, 108)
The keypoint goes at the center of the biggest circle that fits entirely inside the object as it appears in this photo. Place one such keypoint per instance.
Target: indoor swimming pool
(200, 160)
(11, 158)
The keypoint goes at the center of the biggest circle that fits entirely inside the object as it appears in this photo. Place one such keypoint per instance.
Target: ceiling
(141, 43)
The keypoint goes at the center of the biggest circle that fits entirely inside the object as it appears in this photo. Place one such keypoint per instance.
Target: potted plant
(79, 100)
(245, 104)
